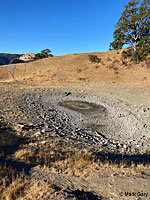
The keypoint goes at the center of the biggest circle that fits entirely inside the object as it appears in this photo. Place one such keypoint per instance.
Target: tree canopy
(44, 54)
(133, 29)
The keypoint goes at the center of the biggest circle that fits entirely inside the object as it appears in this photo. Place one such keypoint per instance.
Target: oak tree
(133, 29)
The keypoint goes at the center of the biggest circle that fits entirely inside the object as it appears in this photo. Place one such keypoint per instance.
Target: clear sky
(63, 26)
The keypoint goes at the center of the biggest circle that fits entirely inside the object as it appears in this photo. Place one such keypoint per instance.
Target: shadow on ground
(9, 144)
(82, 195)
(124, 158)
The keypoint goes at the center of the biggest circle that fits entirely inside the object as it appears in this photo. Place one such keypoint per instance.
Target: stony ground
(48, 128)
(111, 125)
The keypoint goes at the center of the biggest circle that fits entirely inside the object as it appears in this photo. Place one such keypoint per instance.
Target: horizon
(63, 27)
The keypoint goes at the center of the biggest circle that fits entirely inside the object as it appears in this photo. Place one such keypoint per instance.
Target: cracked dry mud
(114, 126)
(107, 123)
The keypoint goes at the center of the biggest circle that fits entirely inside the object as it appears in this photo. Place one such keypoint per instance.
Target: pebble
(37, 134)
(21, 125)
(43, 142)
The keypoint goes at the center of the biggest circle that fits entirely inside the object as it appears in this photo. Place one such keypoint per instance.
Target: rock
(146, 109)
(21, 125)
(67, 93)
(121, 115)
(43, 131)
(37, 133)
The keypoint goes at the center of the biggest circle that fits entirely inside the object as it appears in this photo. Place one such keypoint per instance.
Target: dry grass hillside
(76, 68)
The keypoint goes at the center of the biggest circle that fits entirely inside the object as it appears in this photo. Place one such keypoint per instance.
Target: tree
(133, 29)
(44, 54)
(39, 56)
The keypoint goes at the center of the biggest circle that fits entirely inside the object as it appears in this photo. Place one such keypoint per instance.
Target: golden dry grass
(17, 186)
(78, 68)
(80, 163)
(12, 183)
(16, 189)
(38, 190)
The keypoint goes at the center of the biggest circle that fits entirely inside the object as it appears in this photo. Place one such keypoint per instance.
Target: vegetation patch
(133, 29)
(94, 58)
(12, 183)
(44, 54)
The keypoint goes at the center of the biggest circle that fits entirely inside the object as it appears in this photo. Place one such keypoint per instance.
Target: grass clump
(12, 183)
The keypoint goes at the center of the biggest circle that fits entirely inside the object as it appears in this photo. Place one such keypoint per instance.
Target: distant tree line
(46, 53)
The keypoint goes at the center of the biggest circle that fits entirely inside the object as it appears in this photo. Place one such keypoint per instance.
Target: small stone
(121, 115)
(21, 125)
(37, 134)
(146, 109)
(67, 93)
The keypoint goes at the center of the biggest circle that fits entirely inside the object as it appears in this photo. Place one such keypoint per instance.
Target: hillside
(110, 68)
(6, 58)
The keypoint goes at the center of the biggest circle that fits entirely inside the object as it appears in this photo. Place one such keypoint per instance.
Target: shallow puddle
(83, 107)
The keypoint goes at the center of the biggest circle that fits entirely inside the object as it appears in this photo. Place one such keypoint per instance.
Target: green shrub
(127, 53)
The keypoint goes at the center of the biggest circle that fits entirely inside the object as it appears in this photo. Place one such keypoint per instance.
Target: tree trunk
(137, 60)
(135, 46)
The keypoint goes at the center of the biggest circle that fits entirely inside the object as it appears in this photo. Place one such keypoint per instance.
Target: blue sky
(63, 26)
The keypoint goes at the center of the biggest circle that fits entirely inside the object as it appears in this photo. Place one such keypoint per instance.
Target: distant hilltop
(6, 58)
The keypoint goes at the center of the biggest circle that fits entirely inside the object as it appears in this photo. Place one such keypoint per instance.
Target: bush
(142, 53)
(127, 53)
(94, 58)
(15, 61)
(39, 56)
(136, 56)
